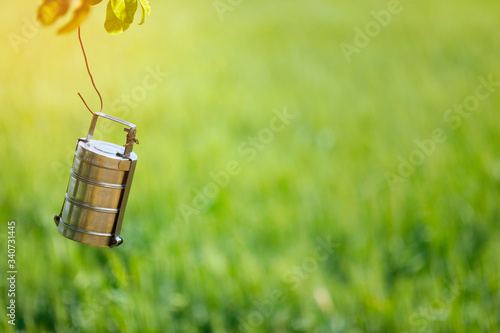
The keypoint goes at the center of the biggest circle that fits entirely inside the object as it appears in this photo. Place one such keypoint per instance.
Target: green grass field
(373, 208)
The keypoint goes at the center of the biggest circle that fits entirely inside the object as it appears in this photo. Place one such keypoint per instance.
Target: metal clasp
(130, 140)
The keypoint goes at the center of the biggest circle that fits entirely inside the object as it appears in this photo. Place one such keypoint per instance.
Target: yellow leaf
(113, 24)
(50, 10)
(78, 16)
(124, 9)
(146, 6)
(146, 9)
(93, 2)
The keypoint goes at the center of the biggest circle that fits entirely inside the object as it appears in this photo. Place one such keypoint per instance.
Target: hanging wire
(90, 74)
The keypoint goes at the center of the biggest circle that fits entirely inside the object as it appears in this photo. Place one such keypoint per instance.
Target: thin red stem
(90, 74)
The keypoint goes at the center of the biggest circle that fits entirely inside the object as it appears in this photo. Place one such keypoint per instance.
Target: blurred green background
(415, 255)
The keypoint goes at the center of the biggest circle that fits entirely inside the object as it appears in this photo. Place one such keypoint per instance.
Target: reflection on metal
(98, 189)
